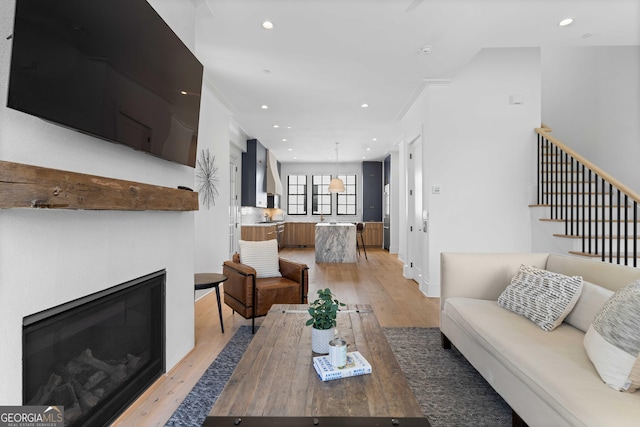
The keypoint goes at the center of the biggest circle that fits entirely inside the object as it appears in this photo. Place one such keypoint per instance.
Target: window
(347, 200)
(321, 198)
(297, 195)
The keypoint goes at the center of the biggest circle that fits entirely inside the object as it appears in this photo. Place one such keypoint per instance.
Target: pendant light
(336, 185)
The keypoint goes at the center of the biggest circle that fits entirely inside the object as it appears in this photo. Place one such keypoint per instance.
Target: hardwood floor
(378, 281)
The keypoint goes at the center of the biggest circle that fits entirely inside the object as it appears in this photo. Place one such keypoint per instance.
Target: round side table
(211, 280)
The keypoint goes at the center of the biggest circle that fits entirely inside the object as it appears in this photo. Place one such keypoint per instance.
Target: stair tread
(606, 255)
(579, 206)
(580, 193)
(569, 236)
(587, 220)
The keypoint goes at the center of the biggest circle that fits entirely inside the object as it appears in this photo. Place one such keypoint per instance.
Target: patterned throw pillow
(541, 296)
(613, 340)
(262, 256)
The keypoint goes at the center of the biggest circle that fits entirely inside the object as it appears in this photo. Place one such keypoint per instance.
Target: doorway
(416, 224)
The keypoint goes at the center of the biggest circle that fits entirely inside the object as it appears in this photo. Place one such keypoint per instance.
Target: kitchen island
(336, 242)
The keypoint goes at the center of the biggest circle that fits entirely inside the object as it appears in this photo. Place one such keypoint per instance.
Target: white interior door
(415, 241)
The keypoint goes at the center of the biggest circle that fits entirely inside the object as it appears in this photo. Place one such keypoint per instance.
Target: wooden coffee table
(276, 378)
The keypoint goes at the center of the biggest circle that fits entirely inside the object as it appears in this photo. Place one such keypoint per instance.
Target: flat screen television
(108, 68)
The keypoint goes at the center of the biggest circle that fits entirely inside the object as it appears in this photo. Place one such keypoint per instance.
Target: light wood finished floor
(378, 281)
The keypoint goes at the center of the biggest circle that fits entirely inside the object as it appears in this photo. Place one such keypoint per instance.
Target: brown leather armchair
(253, 296)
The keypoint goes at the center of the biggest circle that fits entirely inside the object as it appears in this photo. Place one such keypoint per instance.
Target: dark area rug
(450, 391)
(198, 403)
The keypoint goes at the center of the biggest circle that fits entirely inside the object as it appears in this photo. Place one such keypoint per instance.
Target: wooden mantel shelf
(26, 186)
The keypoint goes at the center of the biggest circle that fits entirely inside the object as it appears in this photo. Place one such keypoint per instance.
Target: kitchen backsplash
(251, 215)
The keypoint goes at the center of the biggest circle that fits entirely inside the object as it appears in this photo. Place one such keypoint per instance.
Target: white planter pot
(320, 340)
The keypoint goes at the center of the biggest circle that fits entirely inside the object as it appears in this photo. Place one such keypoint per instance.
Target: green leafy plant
(323, 310)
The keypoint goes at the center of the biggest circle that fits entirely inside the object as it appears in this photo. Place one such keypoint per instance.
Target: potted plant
(323, 312)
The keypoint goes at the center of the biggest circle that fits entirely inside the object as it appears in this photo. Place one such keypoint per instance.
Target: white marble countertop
(337, 224)
(263, 224)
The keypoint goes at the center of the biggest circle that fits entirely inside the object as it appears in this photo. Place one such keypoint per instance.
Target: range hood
(274, 185)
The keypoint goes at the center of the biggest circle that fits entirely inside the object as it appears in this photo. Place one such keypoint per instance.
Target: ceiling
(325, 58)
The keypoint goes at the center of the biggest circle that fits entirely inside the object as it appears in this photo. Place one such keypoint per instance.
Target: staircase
(581, 209)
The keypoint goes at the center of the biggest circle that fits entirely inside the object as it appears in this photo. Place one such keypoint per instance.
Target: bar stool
(360, 231)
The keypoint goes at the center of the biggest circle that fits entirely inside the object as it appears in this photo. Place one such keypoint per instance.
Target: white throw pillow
(613, 340)
(592, 299)
(261, 255)
(542, 296)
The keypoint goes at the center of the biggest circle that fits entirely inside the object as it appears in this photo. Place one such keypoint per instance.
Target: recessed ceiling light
(264, 107)
(284, 139)
(288, 127)
(276, 126)
(374, 139)
(184, 92)
(267, 25)
(368, 149)
(565, 22)
(364, 157)
(289, 149)
(364, 105)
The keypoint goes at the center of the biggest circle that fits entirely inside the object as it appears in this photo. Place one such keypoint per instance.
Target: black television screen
(109, 68)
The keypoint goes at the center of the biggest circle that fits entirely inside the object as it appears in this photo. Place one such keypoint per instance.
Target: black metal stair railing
(593, 205)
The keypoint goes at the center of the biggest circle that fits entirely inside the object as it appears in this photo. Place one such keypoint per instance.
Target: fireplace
(96, 354)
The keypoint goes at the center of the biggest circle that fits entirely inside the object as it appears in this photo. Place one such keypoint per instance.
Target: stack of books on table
(356, 365)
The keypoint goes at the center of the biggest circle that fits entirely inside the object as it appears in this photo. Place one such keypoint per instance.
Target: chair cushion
(613, 340)
(262, 256)
(542, 296)
(275, 291)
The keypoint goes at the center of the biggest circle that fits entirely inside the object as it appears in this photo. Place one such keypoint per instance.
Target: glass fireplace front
(95, 355)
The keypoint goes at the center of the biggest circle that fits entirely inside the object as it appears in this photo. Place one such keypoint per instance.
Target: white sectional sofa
(546, 377)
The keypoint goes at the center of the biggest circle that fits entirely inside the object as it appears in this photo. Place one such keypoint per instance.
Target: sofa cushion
(542, 296)
(262, 256)
(613, 340)
(592, 299)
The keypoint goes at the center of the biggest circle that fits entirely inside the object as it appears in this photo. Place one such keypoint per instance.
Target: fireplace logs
(83, 381)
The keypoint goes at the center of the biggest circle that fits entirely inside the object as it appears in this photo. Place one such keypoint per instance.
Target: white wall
(591, 100)
(211, 224)
(480, 150)
(48, 257)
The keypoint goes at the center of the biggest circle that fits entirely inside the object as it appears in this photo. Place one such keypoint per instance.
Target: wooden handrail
(544, 131)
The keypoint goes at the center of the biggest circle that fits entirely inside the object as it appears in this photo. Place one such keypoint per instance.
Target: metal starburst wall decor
(207, 177)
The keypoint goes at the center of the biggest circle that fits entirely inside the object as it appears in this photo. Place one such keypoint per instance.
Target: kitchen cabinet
(300, 234)
(254, 169)
(259, 232)
(371, 191)
(373, 232)
(303, 234)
